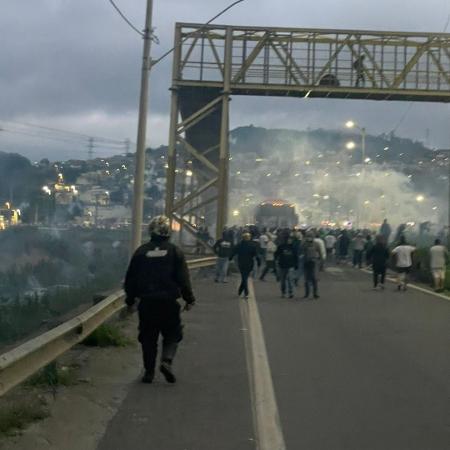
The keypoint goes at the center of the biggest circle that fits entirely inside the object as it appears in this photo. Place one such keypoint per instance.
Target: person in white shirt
(271, 248)
(330, 243)
(438, 262)
(323, 253)
(263, 240)
(403, 262)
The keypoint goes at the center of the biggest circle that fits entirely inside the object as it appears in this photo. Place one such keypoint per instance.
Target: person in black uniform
(158, 275)
(247, 253)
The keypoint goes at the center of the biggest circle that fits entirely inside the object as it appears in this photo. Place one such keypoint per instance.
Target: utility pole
(90, 148)
(138, 207)
(127, 144)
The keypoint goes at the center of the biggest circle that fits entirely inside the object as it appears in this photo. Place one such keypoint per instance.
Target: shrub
(107, 336)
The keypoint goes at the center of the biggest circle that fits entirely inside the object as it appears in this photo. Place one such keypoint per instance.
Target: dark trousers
(155, 318)
(245, 273)
(311, 278)
(287, 278)
(357, 258)
(269, 265)
(379, 272)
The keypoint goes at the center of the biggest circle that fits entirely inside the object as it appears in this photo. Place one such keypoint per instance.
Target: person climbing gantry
(157, 276)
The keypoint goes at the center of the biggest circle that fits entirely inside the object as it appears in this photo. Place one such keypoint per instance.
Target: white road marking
(413, 286)
(269, 435)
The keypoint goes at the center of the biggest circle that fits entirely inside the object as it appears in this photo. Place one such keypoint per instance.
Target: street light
(352, 124)
(350, 145)
(420, 198)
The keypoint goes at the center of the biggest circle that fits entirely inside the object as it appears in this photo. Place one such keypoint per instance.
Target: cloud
(63, 59)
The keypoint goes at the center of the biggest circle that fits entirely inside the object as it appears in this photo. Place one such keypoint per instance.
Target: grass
(15, 417)
(107, 335)
(53, 376)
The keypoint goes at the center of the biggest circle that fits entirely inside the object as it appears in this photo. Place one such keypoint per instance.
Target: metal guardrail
(26, 359)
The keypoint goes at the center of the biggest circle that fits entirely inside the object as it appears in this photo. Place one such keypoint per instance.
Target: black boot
(166, 369)
(148, 377)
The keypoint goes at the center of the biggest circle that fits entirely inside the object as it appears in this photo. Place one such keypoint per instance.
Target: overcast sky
(74, 64)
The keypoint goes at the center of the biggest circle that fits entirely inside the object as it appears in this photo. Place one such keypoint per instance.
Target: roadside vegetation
(107, 335)
(16, 415)
(71, 269)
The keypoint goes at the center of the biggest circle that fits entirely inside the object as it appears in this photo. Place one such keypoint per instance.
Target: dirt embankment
(80, 413)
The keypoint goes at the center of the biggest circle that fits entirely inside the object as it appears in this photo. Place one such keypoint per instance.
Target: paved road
(355, 370)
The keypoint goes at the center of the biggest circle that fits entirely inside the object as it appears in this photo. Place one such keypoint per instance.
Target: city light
(420, 198)
(189, 173)
(47, 190)
(235, 213)
(350, 124)
(350, 145)
(367, 160)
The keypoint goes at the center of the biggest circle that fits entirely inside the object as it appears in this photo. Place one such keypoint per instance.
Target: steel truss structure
(211, 63)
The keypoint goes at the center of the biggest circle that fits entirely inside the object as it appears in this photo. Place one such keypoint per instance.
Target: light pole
(138, 204)
(147, 65)
(352, 124)
(447, 150)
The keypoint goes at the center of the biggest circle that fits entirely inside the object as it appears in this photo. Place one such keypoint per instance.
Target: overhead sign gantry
(212, 62)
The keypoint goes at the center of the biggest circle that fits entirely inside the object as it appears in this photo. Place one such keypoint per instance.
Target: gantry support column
(224, 151)
(174, 113)
(172, 155)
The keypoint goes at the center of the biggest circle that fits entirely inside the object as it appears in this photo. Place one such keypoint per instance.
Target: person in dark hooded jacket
(223, 248)
(379, 256)
(247, 253)
(286, 257)
(158, 275)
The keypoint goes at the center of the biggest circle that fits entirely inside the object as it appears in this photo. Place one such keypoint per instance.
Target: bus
(275, 214)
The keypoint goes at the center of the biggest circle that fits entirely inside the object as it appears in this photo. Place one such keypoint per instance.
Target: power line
(156, 61)
(32, 134)
(403, 117)
(68, 134)
(152, 35)
(447, 24)
(125, 18)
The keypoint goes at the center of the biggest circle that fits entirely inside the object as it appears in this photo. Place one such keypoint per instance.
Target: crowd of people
(158, 274)
(293, 254)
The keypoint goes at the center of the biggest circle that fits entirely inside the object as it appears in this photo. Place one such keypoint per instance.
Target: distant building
(9, 216)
